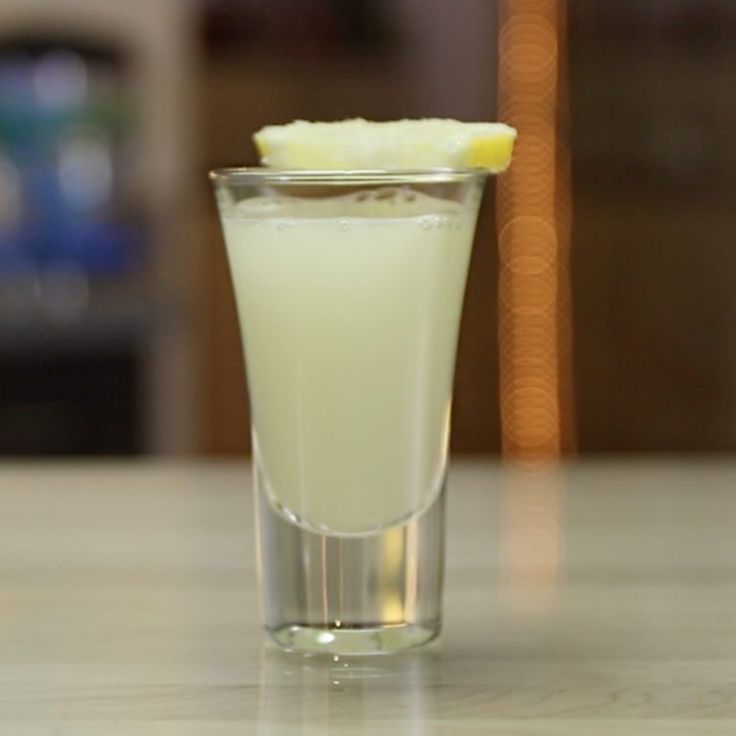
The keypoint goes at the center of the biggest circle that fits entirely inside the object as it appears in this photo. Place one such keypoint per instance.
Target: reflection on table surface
(582, 600)
(334, 691)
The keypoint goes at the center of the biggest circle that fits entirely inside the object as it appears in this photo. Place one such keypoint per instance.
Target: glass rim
(344, 177)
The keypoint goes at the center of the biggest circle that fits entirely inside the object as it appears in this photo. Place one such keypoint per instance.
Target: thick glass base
(352, 642)
(371, 594)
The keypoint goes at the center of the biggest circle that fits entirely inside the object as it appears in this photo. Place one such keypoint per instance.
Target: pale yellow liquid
(349, 310)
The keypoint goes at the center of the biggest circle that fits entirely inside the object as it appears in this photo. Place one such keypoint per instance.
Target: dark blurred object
(64, 227)
(654, 171)
(96, 226)
(653, 94)
(71, 404)
(296, 28)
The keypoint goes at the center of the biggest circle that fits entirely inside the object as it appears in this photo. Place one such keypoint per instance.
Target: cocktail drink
(349, 287)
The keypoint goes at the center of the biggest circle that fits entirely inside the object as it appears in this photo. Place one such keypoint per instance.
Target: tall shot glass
(349, 287)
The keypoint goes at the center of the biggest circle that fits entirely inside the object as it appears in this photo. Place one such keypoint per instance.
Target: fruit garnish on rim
(400, 144)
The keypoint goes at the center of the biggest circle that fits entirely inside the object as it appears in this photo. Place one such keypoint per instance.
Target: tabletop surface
(598, 598)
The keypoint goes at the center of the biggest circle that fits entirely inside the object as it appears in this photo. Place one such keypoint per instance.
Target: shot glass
(349, 287)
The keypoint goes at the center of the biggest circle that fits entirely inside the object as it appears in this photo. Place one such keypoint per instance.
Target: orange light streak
(533, 205)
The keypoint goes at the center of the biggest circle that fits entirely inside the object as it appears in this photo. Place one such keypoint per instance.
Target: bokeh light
(533, 201)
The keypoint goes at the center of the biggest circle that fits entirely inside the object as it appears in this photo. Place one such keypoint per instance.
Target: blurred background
(604, 326)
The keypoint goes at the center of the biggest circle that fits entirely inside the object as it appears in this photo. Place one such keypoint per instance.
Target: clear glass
(349, 287)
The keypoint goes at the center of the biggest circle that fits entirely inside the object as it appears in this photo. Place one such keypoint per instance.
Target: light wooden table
(599, 599)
